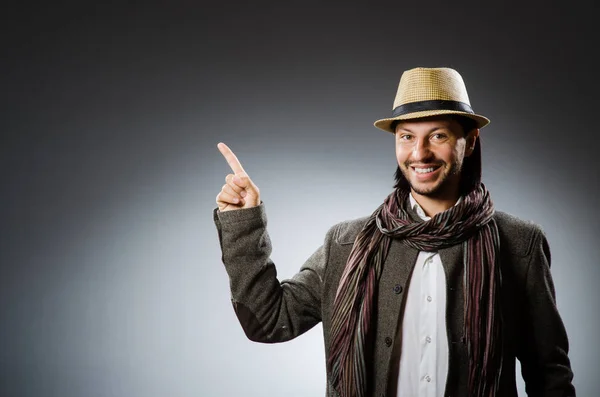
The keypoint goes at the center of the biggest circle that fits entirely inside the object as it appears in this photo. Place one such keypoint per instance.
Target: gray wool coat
(271, 311)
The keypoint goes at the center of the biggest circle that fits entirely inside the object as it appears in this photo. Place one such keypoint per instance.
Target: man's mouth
(425, 170)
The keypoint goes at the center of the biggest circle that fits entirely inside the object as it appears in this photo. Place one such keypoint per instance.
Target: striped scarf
(469, 223)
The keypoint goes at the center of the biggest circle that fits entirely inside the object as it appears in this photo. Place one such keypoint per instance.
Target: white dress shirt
(424, 343)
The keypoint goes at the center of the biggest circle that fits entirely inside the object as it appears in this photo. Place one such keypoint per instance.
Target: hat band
(420, 106)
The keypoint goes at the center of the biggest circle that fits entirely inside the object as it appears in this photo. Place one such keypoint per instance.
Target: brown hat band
(420, 106)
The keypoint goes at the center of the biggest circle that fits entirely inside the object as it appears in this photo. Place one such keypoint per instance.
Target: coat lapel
(393, 285)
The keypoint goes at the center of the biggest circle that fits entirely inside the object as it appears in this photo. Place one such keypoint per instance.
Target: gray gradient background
(111, 279)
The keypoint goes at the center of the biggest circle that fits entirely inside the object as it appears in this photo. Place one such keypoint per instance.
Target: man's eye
(405, 137)
(439, 136)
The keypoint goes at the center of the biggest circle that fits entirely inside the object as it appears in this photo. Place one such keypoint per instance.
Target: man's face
(430, 153)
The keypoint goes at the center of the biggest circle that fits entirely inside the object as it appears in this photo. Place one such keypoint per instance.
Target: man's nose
(421, 149)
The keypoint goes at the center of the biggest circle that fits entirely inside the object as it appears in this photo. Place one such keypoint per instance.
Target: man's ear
(471, 140)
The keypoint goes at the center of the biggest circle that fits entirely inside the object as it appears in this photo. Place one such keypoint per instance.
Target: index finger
(232, 160)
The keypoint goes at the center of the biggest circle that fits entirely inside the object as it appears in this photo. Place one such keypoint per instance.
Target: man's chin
(427, 193)
(433, 191)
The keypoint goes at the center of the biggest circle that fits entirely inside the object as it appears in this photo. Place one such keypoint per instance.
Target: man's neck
(434, 205)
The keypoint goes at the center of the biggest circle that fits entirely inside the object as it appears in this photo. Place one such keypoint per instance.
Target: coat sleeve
(545, 363)
(269, 311)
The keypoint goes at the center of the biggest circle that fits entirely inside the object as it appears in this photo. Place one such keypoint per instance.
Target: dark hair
(470, 176)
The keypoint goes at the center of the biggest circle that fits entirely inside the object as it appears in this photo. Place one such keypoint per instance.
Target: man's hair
(470, 174)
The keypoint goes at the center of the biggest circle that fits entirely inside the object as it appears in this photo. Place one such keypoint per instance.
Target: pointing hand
(238, 191)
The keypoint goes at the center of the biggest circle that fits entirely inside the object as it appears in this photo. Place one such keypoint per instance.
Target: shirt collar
(417, 208)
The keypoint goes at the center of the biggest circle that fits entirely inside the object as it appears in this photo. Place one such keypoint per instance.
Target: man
(435, 293)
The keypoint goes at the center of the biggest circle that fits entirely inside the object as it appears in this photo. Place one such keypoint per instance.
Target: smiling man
(430, 155)
(434, 294)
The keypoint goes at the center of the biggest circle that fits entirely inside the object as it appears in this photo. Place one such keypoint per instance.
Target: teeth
(424, 170)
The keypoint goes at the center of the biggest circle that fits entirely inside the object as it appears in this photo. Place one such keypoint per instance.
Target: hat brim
(386, 124)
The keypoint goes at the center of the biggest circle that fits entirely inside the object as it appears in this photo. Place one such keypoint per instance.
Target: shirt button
(428, 378)
(397, 288)
(428, 339)
(429, 298)
(388, 341)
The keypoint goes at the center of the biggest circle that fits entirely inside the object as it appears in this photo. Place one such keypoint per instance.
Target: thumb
(243, 180)
(252, 198)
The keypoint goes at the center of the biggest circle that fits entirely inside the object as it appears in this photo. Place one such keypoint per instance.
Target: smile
(425, 170)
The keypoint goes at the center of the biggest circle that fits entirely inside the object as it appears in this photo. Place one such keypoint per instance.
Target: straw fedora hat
(426, 92)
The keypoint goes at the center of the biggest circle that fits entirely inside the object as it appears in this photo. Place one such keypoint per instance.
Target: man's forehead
(427, 123)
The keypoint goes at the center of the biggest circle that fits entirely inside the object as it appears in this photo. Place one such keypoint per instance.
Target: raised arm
(268, 310)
